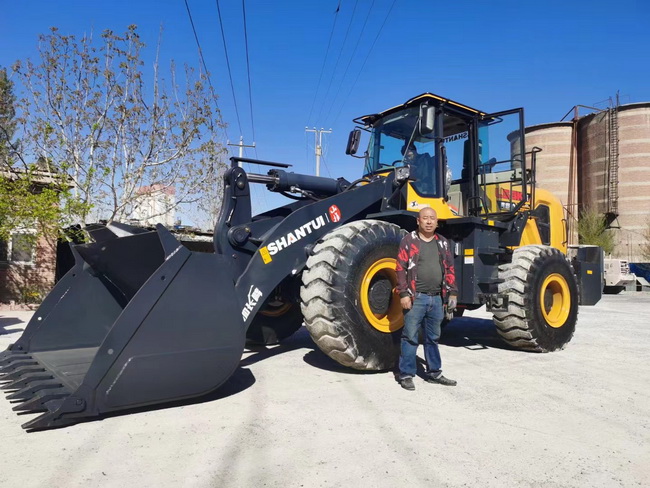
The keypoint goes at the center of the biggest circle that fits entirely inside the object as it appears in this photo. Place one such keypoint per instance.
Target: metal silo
(633, 178)
(553, 162)
(555, 165)
(614, 169)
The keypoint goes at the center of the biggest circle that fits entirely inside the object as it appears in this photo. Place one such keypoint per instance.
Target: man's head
(409, 151)
(427, 221)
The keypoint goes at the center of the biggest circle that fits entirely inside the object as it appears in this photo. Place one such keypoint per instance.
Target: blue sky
(546, 56)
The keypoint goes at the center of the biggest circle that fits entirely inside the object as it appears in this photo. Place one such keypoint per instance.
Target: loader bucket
(138, 320)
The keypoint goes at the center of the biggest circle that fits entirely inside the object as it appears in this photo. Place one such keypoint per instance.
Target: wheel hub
(379, 294)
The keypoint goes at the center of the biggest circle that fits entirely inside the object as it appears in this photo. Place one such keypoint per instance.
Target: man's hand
(451, 306)
(406, 303)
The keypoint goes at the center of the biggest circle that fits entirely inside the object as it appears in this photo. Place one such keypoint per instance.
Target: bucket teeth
(39, 402)
(46, 420)
(19, 372)
(26, 379)
(33, 388)
(18, 363)
(11, 357)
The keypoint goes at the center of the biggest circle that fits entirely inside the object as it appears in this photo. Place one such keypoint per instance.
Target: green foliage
(24, 204)
(592, 229)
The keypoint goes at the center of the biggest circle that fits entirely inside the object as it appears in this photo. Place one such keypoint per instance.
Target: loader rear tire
(542, 300)
(279, 318)
(268, 330)
(348, 303)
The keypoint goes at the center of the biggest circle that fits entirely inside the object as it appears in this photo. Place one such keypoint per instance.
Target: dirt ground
(291, 417)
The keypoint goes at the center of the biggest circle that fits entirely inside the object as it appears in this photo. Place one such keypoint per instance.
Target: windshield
(395, 141)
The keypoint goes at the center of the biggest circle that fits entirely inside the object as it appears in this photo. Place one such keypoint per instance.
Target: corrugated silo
(553, 162)
(634, 178)
(555, 165)
(614, 169)
(593, 161)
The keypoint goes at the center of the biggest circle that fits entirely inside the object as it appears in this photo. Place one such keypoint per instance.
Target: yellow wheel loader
(140, 319)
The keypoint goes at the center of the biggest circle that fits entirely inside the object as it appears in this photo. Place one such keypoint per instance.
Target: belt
(434, 294)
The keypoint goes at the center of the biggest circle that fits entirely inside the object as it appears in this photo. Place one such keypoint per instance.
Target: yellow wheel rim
(392, 320)
(555, 300)
(276, 311)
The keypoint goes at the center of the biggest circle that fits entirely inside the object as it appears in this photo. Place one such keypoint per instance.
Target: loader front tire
(542, 300)
(348, 303)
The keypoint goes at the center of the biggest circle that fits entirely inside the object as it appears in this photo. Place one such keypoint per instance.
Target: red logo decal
(335, 213)
(505, 194)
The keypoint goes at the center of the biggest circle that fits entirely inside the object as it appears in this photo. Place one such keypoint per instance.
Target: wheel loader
(141, 319)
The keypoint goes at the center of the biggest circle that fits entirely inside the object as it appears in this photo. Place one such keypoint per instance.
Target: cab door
(499, 172)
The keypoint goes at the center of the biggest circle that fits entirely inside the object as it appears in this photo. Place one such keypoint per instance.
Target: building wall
(155, 205)
(29, 283)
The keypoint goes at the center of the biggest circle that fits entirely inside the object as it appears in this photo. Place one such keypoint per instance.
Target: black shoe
(441, 380)
(407, 383)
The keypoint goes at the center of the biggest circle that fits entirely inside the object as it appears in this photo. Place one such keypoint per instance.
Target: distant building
(155, 204)
(27, 262)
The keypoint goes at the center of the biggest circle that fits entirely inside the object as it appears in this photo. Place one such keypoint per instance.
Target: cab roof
(435, 100)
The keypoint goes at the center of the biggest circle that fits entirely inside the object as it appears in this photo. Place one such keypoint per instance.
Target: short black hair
(406, 146)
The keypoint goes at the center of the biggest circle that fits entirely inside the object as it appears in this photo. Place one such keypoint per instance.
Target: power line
(338, 58)
(248, 68)
(366, 60)
(320, 77)
(354, 51)
(207, 73)
(232, 85)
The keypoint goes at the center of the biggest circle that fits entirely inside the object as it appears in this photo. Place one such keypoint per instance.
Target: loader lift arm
(263, 251)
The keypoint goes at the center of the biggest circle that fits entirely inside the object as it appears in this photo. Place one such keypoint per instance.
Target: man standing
(425, 281)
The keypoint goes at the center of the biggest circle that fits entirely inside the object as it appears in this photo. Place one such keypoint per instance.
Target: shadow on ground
(473, 334)
(469, 333)
(299, 340)
(8, 322)
(241, 380)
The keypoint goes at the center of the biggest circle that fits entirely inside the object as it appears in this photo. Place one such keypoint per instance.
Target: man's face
(427, 220)
(410, 154)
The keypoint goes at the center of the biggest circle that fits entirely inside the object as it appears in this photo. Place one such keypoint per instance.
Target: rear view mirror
(353, 142)
(427, 119)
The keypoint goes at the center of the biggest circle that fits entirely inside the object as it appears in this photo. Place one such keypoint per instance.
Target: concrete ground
(291, 417)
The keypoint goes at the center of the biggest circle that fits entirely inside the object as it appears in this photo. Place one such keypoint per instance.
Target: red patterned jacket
(407, 265)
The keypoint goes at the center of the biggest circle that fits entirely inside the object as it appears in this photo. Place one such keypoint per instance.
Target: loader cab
(464, 162)
(395, 142)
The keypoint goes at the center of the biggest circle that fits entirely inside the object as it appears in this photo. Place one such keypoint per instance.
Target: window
(543, 214)
(396, 142)
(19, 249)
(4, 251)
(456, 141)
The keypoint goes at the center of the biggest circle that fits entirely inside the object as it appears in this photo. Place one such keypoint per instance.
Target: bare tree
(86, 114)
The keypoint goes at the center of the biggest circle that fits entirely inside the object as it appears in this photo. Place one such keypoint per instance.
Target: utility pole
(318, 141)
(241, 146)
